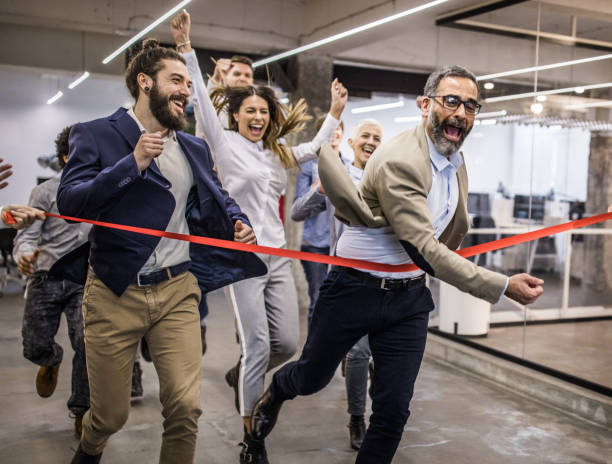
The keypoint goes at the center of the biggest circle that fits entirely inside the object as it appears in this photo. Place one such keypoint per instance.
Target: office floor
(583, 349)
(455, 416)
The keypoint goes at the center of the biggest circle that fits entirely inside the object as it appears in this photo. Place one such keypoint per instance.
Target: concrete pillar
(311, 75)
(598, 249)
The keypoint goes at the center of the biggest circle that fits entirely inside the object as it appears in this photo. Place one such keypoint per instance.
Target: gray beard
(444, 146)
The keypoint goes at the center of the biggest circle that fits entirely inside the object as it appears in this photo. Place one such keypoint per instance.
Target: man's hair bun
(150, 43)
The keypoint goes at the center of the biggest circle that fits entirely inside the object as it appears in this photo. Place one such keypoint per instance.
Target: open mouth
(256, 130)
(368, 151)
(179, 104)
(453, 133)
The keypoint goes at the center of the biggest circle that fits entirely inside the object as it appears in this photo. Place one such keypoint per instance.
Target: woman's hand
(339, 96)
(180, 28)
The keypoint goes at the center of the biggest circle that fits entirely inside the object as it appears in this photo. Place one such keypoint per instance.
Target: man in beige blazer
(409, 207)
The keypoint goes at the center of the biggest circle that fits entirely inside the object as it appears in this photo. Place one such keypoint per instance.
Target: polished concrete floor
(455, 418)
(583, 349)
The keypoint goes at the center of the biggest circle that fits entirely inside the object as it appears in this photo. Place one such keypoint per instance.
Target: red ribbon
(354, 263)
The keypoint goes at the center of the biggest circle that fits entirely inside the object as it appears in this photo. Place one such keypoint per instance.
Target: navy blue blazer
(101, 181)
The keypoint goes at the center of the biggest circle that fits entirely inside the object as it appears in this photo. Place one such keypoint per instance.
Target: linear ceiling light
(544, 67)
(55, 97)
(348, 33)
(382, 106)
(518, 96)
(146, 30)
(408, 119)
(492, 114)
(84, 76)
(579, 106)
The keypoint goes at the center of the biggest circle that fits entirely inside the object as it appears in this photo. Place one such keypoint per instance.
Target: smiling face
(368, 138)
(447, 128)
(169, 95)
(240, 75)
(253, 118)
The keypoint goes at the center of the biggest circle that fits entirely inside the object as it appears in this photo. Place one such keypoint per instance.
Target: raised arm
(205, 114)
(308, 150)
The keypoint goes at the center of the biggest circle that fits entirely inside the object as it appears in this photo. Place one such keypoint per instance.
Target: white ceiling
(76, 34)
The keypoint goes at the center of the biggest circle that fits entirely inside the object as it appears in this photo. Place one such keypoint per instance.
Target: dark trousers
(315, 275)
(396, 324)
(47, 298)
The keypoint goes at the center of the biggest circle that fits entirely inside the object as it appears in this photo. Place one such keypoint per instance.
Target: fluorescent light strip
(146, 30)
(408, 119)
(492, 114)
(382, 106)
(348, 33)
(544, 67)
(518, 96)
(580, 106)
(84, 76)
(55, 97)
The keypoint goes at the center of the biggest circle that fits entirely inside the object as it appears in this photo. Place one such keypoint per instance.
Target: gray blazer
(393, 192)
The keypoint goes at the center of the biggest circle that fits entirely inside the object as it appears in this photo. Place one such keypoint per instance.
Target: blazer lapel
(129, 130)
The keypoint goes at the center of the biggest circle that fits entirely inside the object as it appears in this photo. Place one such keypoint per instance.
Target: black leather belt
(384, 282)
(161, 275)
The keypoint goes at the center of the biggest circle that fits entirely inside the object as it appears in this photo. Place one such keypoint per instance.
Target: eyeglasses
(453, 102)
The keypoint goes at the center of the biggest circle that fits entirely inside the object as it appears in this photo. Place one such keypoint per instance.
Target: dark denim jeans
(315, 275)
(396, 324)
(47, 298)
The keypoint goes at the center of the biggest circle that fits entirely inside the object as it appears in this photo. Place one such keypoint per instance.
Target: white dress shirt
(252, 174)
(175, 167)
(381, 245)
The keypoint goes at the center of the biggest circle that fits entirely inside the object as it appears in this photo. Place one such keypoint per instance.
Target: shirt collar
(170, 135)
(355, 172)
(439, 161)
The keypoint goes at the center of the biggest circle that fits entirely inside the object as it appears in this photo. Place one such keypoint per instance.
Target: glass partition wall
(536, 160)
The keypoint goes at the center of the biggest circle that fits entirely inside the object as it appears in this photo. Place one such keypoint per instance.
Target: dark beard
(159, 106)
(444, 146)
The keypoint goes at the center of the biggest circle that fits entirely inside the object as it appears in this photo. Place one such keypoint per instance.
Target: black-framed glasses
(453, 102)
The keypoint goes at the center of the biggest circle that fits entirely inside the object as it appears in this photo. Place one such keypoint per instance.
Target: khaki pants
(166, 314)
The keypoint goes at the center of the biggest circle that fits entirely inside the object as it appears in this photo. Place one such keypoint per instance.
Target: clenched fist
(243, 233)
(524, 288)
(149, 146)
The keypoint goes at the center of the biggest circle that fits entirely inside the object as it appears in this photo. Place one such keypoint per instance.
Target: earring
(146, 89)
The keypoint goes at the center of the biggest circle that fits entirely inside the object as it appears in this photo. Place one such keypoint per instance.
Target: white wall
(29, 125)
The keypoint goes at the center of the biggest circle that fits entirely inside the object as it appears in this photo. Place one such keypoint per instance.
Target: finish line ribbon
(347, 262)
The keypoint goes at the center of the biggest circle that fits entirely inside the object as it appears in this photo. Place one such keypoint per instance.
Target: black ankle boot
(357, 431)
(265, 414)
(80, 457)
(253, 451)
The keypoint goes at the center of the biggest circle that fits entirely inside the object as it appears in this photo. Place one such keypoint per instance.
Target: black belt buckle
(401, 284)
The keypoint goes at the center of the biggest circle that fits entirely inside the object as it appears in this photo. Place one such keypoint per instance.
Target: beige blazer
(393, 192)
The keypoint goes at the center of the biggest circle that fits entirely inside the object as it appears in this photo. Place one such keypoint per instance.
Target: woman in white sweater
(252, 162)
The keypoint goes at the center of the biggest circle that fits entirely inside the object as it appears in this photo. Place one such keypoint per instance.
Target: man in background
(36, 249)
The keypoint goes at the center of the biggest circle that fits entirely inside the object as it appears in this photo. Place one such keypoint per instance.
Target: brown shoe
(78, 426)
(46, 380)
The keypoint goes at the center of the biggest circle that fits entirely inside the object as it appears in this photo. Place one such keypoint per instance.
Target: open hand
(19, 217)
(339, 96)
(243, 233)
(524, 288)
(222, 67)
(25, 265)
(5, 173)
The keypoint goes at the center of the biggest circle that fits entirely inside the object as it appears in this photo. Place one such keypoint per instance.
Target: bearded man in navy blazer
(136, 167)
